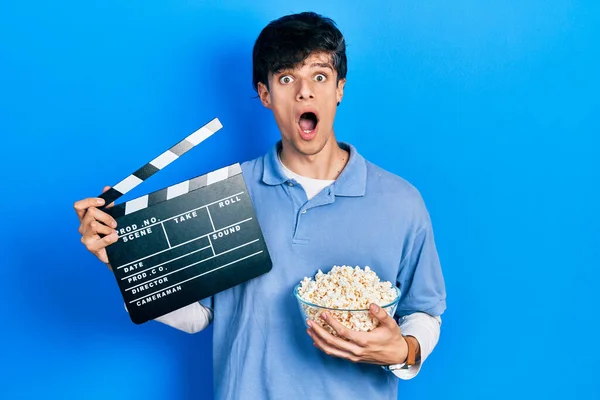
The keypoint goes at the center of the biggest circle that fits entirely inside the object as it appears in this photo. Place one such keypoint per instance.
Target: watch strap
(412, 343)
(411, 358)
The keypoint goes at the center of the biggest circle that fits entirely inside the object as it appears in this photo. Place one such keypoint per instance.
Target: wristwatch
(410, 357)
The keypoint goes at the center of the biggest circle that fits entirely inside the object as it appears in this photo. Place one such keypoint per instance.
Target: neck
(326, 164)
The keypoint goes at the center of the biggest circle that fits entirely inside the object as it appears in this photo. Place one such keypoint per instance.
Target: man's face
(304, 101)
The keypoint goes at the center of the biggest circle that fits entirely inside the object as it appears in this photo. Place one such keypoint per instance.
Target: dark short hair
(289, 40)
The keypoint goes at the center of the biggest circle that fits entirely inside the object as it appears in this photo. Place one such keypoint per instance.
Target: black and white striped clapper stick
(160, 162)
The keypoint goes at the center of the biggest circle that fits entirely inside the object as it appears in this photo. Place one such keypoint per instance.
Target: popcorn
(346, 288)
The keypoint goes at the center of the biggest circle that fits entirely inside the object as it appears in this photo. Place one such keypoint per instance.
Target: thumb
(382, 315)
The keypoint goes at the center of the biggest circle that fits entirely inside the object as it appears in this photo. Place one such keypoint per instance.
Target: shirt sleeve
(426, 329)
(420, 279)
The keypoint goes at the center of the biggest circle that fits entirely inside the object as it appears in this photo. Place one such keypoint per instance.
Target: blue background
(490, 108)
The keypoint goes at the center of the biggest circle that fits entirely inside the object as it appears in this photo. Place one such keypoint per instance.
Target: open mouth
(308, 122)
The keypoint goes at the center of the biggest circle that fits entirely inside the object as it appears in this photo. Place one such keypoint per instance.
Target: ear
(264, 95)
(339, 91)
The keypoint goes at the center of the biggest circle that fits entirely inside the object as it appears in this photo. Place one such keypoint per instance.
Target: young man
(319, 204)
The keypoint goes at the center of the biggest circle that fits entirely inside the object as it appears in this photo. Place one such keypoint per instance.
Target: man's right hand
(93, 223)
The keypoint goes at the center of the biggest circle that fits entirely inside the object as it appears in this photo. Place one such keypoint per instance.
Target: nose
(305, 90)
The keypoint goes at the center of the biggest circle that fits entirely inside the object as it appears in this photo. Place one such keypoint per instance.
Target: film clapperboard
(187, 242)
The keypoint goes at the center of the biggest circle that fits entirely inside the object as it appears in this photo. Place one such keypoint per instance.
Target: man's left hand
(383, 345)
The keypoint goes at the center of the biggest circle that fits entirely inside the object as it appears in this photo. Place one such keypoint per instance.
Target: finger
(88, 218)
(331, 350)
(333, 341)
(344, 332)
(382, 316)
(102, 217)
(96, 227)
(85, 223)
(95, 243)
(82, 206)
(92, 215)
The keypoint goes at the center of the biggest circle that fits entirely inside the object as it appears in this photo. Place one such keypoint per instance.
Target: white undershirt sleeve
(191, 319)
(426, 329)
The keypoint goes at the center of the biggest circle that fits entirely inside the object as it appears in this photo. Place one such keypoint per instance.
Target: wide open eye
(286, 79)
(320, 78)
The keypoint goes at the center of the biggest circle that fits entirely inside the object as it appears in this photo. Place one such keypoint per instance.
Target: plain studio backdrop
(489, 108)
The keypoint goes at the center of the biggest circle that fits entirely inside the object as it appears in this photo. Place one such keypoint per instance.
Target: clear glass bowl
(358, 320)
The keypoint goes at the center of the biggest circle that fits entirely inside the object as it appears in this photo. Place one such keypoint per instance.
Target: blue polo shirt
(367, 217)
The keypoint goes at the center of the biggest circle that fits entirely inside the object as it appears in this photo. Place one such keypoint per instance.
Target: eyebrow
(313, 65)
(322, 65)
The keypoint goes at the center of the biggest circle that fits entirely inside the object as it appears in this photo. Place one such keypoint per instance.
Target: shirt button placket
(299, 221)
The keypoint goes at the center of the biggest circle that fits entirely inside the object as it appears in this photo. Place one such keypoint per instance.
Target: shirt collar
(351, 182)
